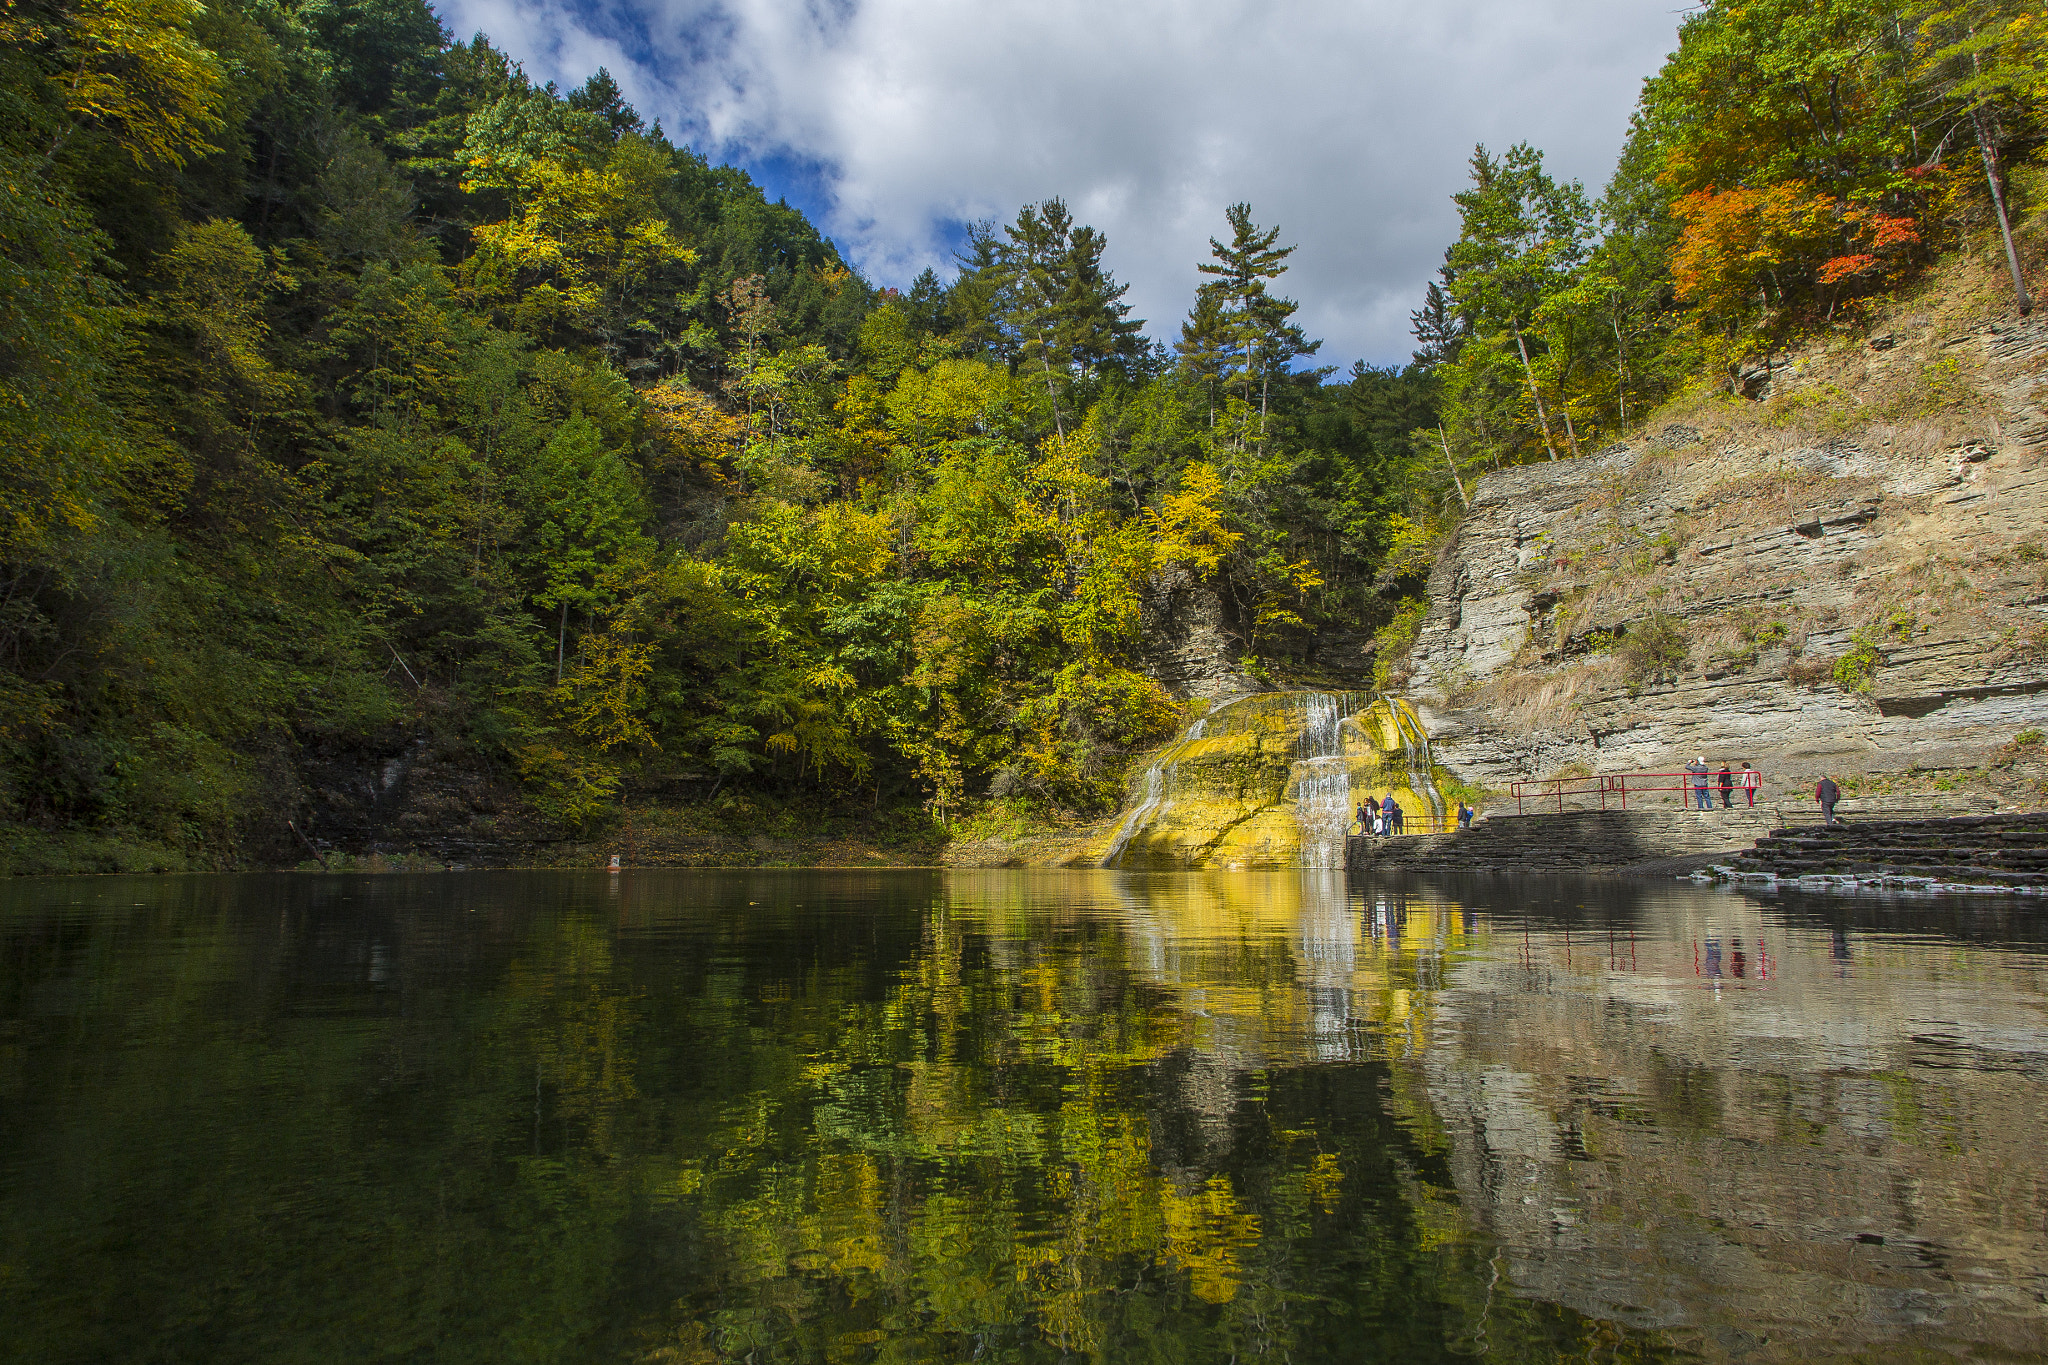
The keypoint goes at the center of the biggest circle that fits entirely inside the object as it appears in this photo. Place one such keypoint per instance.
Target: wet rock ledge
(1990, 853)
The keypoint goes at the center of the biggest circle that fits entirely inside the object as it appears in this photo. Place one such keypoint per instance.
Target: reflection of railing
(1615, 790)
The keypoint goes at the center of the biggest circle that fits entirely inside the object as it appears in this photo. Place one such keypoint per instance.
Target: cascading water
(1415, 746)
(1322, 781)
(1158, 783)
(1270, 780)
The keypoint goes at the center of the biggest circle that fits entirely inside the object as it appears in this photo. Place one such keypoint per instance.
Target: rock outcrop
(1269, 780)
(1746, 585)
(1190, 643)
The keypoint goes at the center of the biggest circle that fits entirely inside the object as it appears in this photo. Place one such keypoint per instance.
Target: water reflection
(908, 1116)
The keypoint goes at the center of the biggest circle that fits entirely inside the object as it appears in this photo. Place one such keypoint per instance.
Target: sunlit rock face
(1271, 780)
(1774, 556)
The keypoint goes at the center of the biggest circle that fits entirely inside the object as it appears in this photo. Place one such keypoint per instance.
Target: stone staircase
(1574, 841)
(2005, 852)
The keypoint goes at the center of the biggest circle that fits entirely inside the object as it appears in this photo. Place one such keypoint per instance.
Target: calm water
(913, 1116)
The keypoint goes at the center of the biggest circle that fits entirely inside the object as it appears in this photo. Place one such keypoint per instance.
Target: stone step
(2003, 850)
(1977, 850)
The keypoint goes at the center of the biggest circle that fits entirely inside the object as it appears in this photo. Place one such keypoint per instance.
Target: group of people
(1704, 780)
(1385, 817)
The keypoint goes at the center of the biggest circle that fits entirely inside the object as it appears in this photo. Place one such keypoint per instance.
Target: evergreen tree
(1258, 339)
(600, 95)
(1522, 236)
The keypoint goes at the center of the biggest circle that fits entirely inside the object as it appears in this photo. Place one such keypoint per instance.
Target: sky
(1346, 123)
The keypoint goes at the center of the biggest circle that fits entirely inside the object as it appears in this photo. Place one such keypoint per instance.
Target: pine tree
(1523, 236)
(1437, 327)
(1258, 338)
(600, 95)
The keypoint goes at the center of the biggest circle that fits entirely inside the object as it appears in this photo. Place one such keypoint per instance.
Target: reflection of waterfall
(1415, 745)
(1322, 781)
(1329, 957)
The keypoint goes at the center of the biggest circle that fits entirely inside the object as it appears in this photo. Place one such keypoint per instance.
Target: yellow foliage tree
(130, 69)
(581, 243)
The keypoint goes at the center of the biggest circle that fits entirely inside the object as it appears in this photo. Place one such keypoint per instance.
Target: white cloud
(1347, 122)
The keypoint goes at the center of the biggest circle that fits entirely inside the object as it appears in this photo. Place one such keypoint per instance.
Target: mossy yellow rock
(1270, 780)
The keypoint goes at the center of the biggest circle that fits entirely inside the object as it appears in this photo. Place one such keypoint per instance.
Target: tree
(1522, 235)
(129, 70)
(1986, 62)
(1256, 339)
(601, 96)
(1038, 296)
(1439, 329)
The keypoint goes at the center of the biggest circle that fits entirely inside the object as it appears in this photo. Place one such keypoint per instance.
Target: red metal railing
(1616, 790)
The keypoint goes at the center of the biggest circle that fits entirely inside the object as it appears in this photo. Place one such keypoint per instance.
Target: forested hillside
(353, 388)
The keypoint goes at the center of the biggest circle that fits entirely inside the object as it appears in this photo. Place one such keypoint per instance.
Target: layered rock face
(1189, 643)
(1871, 602)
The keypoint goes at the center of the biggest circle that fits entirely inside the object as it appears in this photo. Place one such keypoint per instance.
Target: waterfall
(1322, 781)
(1212, 797)
(1415, 746)
(1158, 780)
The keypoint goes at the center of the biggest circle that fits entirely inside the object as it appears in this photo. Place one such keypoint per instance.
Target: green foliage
(432, 401)
(1856, 669)
(1788, 163)
(1392, 641)
(1654, 648)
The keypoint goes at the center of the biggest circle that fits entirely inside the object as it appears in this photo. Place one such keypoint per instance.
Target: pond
(1014, 1116)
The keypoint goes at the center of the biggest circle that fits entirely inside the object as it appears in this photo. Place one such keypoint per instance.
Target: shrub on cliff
(1654, 648)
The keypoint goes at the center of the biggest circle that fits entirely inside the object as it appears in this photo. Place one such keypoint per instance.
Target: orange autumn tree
(1764, 261)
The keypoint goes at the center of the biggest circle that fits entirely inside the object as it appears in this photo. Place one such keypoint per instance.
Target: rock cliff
(1850, 577)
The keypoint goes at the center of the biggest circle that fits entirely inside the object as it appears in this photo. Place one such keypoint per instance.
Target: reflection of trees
(1065, 1133)
(538, 1123)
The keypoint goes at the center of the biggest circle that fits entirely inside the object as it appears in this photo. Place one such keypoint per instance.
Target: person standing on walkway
(1364, 820)
(1698, 769)
(1727, 787)
(1465, 814)
(1751, 780)
(1390, 815)
(1827, 793)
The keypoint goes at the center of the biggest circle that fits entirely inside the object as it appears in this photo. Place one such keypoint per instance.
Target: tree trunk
(1542, 418)
(1453, 467)
(1051, 396)
(561, 639)
(2012, 256)
(1621, 366)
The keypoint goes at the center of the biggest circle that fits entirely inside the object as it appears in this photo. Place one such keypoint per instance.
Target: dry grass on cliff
(1524, 703)
(1904, 378)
